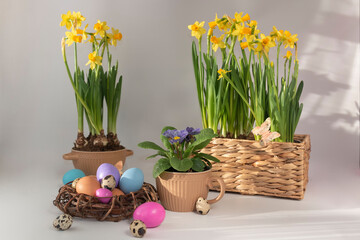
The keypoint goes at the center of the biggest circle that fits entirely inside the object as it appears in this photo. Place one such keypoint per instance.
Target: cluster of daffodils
(76, 34)
(245, 31)
(249, 87)
(97, 85)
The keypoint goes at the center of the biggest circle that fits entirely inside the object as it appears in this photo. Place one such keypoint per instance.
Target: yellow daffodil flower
(253, 26)
(252, 23)
(197, 29)
(91, 39)
(217, 42)
(251, 42)
(244, 45)
(272, 64)
(288, 55)
(94, 60)
(221, 73)
(82, 32)
(78, 19)
(212, 26)
(72, 37)
(277, 34)
(223, 23)
(100, 28)
(114, 36)
(240, 31)
(66, 20)
(240, 18)
(267, 42)
(289, 39)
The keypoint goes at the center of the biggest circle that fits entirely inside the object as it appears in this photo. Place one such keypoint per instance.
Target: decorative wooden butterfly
(264, 132)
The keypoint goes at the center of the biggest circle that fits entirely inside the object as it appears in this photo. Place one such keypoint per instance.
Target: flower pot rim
(190, 173)
(110, 151)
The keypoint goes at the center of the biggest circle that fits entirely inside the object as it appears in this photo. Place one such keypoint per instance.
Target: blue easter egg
(72, 174)
(131, 180)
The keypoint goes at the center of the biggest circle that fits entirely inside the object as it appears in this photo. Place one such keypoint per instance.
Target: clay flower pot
(179, 191)
(88, 162)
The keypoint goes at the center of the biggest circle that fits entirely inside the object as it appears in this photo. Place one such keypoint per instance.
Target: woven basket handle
(222, 189)
(70, 156)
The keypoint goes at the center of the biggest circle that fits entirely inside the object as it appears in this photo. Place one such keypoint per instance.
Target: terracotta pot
(88, 162)
(179, 192)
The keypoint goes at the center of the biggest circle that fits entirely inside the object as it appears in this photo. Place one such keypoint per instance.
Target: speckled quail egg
(202, 206)
(108, 182)
(63, 222)
(73, 184)
(138, 228)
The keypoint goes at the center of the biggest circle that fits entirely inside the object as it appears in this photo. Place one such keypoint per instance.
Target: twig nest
(63, 222)
(108, 182)
(202, 206)
(73, 184)
(138, 228)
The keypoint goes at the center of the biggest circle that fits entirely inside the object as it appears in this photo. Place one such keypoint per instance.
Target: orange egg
(117, 192)
(88, 185)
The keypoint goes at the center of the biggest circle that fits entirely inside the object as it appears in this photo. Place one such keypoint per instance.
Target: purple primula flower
(193, 131)
(175, 135)
(191, 134)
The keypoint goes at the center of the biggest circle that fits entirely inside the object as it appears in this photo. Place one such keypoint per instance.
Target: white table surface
(330, 209)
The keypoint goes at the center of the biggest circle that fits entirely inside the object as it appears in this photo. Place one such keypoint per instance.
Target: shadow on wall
(331, 112)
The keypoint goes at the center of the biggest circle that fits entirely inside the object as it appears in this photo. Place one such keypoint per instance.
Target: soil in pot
(97, 143)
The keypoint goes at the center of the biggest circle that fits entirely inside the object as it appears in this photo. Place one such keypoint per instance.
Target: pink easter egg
(151, 213)
(104, 195)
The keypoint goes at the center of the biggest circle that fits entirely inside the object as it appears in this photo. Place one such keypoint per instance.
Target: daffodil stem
(78, 94)
(285, 68)
(205, 124)
(289, 70)
(77, 85)
(277, 64)
(208, 45)
(233, 41)
(241, 95)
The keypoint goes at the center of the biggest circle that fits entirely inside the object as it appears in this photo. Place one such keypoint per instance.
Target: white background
(38, 116)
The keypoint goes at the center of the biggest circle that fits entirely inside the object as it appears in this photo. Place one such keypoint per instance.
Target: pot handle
(222, 189)
(128, 152)
(119, 165)
(70, 156)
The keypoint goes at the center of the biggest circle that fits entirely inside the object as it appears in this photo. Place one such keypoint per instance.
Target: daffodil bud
(63, 47)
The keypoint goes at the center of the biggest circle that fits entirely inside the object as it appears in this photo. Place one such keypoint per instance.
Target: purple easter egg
(150, 213)
(104, 195)
(106, 169)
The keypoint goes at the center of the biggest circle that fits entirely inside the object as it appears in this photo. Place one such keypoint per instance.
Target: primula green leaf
(151, 145)
(204, 136)
(188, 151)
(160, 166)
(181, 165)
(167, 128)
(152, 156)
(201, 145)
(198, 165)
(209, 157)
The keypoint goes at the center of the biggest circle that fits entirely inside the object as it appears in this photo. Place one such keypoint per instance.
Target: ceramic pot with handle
(179, 191)
(89, 162)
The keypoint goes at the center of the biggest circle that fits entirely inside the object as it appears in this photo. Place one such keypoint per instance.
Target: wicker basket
(278, 169)
(119, 208)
